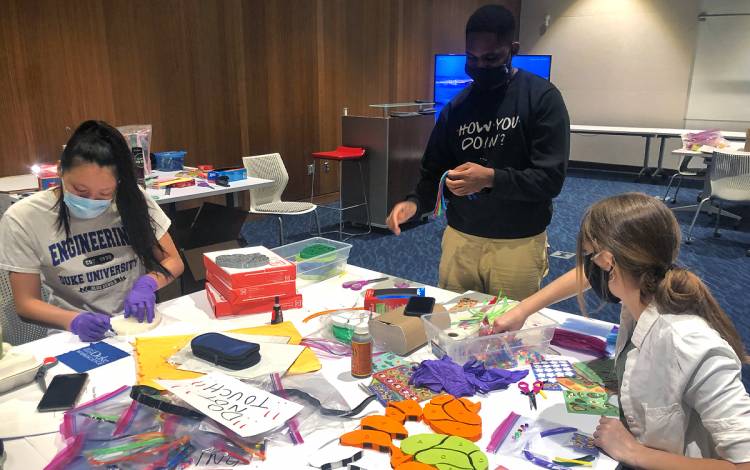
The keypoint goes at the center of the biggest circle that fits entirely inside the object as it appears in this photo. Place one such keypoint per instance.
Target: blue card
(91, 357)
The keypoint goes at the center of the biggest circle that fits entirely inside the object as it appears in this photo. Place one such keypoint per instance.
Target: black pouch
(225, 351)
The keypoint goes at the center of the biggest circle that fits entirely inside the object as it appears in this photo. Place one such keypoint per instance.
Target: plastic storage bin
(311, 267)
(170, 161)
(501, 350)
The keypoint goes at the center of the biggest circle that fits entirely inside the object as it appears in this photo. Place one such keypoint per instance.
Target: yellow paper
(151, 354)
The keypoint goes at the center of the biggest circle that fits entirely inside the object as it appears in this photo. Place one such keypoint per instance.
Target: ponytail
(680, 291)
(644, 238)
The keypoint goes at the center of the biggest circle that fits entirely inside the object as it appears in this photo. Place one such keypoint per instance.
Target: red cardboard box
(251, 293)
(277, 270)
(222, 307)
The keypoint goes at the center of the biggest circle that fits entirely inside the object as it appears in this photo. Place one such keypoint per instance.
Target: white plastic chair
(267, 200)
(15, 330)
(729, 174)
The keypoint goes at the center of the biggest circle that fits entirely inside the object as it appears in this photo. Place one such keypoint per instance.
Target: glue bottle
(277, 316)
(361, 352)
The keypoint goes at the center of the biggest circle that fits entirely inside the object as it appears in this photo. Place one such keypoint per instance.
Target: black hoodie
(522, 130)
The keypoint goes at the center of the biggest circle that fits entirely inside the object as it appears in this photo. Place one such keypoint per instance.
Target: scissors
(47, 364)
(358, 285)
(524, 387)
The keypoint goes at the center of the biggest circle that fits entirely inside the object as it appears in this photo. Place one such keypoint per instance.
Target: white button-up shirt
(681, 390)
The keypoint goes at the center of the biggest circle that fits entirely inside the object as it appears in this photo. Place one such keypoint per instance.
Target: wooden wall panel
(221, 79)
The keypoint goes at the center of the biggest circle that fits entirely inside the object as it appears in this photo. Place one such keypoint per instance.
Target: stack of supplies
(243, 281)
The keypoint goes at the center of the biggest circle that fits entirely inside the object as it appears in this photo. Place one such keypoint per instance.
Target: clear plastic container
(315, 268)
(446, 335)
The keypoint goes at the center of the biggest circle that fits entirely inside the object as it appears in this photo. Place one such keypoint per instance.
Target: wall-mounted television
(450, 77)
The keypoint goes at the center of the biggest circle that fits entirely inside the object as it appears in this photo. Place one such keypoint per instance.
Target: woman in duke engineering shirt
(98, 241)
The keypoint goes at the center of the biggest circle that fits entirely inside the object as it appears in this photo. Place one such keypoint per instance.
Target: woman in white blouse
(678, 355)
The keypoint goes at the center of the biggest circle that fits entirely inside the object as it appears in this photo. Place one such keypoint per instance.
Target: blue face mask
(84, 208)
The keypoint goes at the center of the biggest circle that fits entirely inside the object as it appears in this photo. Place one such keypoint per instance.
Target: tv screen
(450, 77)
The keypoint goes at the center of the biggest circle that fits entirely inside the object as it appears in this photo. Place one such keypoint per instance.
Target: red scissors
(524, 387)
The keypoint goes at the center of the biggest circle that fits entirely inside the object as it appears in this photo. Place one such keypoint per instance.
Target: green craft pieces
(314, 250)
(590, 403)
(445, 452)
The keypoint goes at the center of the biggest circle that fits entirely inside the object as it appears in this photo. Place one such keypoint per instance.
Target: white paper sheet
(244, 409)
(20, 418)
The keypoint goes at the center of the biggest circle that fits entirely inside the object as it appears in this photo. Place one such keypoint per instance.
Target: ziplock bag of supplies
(543, 443)
(138, 427)
(323, 406)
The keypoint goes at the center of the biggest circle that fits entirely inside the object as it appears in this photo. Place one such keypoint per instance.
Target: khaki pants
(515, 267)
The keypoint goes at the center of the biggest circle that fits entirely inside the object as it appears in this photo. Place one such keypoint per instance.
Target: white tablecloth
(191, 314)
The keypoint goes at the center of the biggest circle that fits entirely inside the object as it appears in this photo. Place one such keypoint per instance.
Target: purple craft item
(472, 378)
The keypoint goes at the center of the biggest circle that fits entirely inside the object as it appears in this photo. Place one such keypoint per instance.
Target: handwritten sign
(244, 409)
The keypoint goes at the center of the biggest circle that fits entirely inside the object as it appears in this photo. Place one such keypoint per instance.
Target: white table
(196, 192)
(190, 314)
(28, 183)
(9, 184)
(647, 133)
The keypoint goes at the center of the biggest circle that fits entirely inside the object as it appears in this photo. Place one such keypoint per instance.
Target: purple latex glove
(442, 374)
(472, 378)
(485, 380)
(90, 326)
(140, 301)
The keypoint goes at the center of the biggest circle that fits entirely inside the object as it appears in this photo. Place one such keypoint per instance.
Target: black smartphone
(63, 392)
(418, 306)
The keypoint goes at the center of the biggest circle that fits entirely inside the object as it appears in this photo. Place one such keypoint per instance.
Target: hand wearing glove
(90, 326)
(140, 301)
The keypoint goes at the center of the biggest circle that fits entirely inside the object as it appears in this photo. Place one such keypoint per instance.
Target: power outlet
(326, 167)
(310, 169)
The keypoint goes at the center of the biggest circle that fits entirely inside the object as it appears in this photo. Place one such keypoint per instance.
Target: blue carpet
(720, 262)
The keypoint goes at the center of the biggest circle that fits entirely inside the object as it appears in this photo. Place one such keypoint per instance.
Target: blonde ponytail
(644, 238)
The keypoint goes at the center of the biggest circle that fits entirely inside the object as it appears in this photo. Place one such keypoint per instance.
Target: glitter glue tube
(361, 352)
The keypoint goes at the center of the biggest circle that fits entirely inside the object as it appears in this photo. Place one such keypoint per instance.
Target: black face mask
(488, 78)
(599, 279)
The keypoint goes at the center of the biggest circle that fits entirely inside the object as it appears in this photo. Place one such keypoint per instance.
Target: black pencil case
(225, 351)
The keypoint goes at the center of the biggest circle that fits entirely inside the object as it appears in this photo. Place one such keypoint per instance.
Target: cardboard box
(277, 270)
(251, 293)
(223, 308)
(397, 333)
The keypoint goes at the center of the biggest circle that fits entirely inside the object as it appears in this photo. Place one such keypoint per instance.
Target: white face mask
(85, 208)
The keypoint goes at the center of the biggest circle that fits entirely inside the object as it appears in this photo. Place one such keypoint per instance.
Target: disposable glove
(140, 301)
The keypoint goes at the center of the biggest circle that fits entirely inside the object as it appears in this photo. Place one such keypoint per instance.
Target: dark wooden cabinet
(391, 166)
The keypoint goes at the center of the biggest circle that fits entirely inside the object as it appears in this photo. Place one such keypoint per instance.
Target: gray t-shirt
(92, 270)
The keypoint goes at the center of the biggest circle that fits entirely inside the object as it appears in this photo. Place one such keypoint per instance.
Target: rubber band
(441, 205)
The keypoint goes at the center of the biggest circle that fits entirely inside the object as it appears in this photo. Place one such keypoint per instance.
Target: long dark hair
(644, 237)
(98, 142)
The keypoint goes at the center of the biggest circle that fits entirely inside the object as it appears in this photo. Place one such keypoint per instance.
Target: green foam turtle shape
(445, 452)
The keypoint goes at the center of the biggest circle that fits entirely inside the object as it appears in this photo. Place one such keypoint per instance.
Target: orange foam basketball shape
(367, 439)
(388, 425)
(405, 410)
(396, 414)
(414, 466)
(453, 416)
(399, 458)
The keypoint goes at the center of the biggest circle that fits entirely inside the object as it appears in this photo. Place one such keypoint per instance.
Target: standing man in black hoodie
(505, 142)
